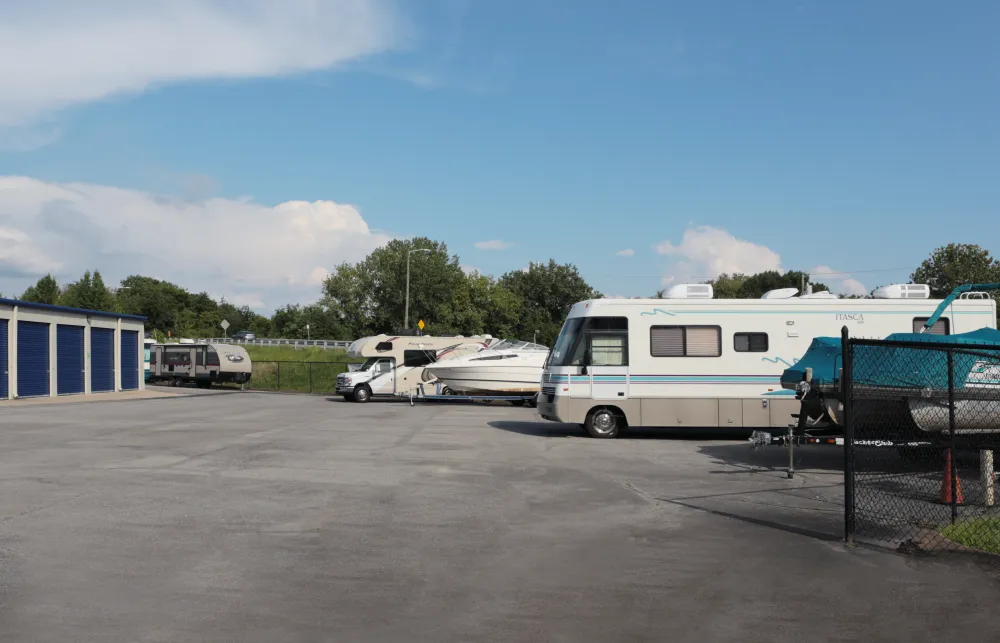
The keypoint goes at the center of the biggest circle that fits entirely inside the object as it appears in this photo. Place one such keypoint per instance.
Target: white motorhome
(689, 360)
(394, 364)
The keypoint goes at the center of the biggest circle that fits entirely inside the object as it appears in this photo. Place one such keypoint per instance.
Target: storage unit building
(55, 350)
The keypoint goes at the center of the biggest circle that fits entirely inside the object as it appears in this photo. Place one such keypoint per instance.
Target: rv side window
(384, 367)
(213, 357)
(418, 358)
(383, 347)
(152, 355)
(750, 342)
(608, 349)
(176, 357)
(941, 327)
(685, 341)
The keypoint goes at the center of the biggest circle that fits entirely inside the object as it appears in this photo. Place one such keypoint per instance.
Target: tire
(603, 424)
(362, 394)
(517, 402)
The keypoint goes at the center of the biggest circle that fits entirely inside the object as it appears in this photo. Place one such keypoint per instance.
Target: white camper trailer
(689, 360)
(395, 364)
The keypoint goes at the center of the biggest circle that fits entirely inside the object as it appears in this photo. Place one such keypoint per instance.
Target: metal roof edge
(69, 309)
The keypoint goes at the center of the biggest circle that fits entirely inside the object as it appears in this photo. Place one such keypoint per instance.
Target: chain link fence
(297, 377)
(922, 428)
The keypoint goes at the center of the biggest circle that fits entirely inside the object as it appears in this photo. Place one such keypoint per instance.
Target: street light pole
(406, 314)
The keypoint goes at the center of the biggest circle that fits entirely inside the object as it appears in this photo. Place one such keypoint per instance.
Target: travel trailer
(689, 360)
(396, 364)
(510, 367)
(203, 364)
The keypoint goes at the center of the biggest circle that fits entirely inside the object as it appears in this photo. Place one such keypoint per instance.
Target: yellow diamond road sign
(420, 324)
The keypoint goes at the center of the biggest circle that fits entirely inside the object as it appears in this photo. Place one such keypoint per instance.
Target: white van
(394, 364)
(690, 360)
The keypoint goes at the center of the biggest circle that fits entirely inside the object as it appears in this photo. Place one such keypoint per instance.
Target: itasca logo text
(858, 317)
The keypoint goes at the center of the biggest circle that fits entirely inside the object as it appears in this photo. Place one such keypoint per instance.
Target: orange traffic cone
(946, 484)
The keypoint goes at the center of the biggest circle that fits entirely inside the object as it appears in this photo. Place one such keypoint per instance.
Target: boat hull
(498, 380)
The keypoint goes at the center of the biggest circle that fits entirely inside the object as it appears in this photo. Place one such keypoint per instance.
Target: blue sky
(708, 136)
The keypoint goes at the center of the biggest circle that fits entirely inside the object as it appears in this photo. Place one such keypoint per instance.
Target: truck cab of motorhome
(395, 364)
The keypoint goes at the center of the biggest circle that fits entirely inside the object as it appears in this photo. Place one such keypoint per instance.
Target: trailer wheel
(603, 424)
(517, 402)
(362, 394)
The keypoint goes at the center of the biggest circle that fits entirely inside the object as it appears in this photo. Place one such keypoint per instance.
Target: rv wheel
(362, 394)
(602, 423)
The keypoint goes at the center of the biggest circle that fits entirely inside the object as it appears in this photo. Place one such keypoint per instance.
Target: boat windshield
(561, 352)
(516, 344)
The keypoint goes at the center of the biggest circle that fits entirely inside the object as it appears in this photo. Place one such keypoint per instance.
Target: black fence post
(845, 397)
(952, 464)
(310, 377)
(278, 387)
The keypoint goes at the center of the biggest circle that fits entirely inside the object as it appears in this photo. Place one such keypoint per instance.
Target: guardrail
(295, 343)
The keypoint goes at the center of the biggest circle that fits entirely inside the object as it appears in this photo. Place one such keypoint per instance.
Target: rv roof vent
(689, 291)
(186, 341)
(903, 291)
(781, 293)
(822, 294)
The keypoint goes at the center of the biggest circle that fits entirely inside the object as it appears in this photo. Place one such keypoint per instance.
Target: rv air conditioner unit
(689, 291)
(822, 294)
(903, 291)
(781, 293)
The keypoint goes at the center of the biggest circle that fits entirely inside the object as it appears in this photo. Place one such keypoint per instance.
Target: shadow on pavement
(814, 459)
(556, 430)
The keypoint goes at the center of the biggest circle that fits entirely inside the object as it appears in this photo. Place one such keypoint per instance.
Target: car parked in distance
(244, 335)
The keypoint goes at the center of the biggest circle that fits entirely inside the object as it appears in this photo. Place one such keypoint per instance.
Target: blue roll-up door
(102, 359)
(69, 359)
(4, 388)
(130, 360)
(32, 359)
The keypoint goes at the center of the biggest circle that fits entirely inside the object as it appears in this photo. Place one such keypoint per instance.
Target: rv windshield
(368, 363)
(562, 349)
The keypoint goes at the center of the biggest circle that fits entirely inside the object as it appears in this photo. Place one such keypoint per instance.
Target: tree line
(368, 297)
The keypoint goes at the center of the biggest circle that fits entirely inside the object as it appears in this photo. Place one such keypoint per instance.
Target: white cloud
(714, 251)
(469, 270)
(59, 53)
(706, 252)
(627, 252)
(840, 282)
(493, 244)
(264, 256)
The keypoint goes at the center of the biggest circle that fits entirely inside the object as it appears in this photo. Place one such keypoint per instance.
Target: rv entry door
(384, 382)
(607, 362)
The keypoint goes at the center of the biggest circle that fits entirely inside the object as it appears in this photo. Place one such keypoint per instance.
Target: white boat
(510, 367)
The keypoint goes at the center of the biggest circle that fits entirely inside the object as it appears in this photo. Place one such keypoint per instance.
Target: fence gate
(922, 427)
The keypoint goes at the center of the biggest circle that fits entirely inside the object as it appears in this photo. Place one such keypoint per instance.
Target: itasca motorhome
(689, 360)
(394, 365)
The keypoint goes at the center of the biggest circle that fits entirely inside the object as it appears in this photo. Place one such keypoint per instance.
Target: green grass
(298, 377)
(291, 354)
(979, 533)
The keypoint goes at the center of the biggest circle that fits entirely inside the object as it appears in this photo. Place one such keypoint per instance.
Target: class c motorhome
(395, 364)
(689, 360)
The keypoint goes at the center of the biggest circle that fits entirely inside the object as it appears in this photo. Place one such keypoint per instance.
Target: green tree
(371, 295)
(89, 292)
(290, 323)
(956, 264)
(740, 286)
(45, 291)
(547, 292)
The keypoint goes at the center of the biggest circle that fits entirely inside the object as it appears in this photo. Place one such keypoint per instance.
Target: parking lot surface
(257, 517)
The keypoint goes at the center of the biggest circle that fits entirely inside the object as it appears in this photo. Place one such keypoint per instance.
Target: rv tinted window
(941, 327)
(213, 357)
(178, 356)
(685, 341)
(750, 342)
(383, 346)
(418, 358)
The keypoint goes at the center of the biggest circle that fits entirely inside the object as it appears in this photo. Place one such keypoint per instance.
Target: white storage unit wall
(38, 338)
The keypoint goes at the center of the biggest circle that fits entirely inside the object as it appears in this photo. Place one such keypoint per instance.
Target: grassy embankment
(303, 370)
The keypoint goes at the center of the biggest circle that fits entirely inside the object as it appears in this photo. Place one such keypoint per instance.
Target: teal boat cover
(904, 366)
